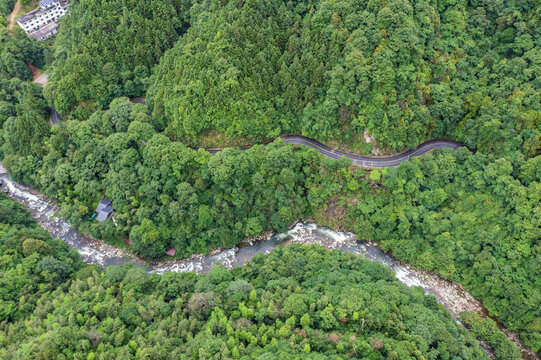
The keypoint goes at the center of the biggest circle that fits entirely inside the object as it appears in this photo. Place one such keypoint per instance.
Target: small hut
(171, 252)
(104, 209)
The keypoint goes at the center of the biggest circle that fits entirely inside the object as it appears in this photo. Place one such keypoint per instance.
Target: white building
(43, 22)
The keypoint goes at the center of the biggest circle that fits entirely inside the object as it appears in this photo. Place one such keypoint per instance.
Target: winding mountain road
(364, 161)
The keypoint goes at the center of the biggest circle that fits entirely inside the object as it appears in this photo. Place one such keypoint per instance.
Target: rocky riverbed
(451, 295)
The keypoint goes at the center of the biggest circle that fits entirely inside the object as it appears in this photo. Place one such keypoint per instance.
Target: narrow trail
(11, 19)
(36, 72)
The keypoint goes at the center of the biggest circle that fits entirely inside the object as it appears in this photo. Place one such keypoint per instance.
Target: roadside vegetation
(405, 72)
(473, 218)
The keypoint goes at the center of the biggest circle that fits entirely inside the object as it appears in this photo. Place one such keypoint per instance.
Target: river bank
(449, 294)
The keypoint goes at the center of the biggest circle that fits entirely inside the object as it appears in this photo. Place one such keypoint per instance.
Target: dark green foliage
(25, 130)
(105, 49)
(23, 111)
(12, 213)
(15, 51)
(405, 71)
(245, 314)
(147, 240)
(6, 6)
(165, 194)
(471, 218)
(16, 48)
(57, 271)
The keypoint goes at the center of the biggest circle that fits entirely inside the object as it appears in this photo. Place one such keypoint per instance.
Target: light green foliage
(138, 315)
(375, 175)
(146, 239)
(486, 329)
(305, 321)
(296, 304)
(31, 246)
(31, 263)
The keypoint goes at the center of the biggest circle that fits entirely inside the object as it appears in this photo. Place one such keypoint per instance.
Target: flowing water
(96, 252)
(93, 251)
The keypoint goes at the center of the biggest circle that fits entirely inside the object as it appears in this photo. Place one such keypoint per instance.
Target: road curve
(364, 161)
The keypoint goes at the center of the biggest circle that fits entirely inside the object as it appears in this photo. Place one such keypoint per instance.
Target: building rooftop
(39, 11)
(36, 35)
(102, 216)
(171, 252)
(103, 204)
(104, 209)
(30, 15)
(45, 4)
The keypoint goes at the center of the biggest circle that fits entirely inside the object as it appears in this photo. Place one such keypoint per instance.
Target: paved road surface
(42, 79)
(55, 117)
(365, 161)
(139, 100)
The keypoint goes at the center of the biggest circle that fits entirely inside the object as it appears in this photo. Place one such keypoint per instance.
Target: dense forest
(53, 306)
(250, 71)
(405, 71)
(17, 49)
(106, 49)
(23, 110)
(473, 218)
(164, 193)
(5, 8)
(32, 264)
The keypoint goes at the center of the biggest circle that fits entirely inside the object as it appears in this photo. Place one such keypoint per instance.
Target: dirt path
(13, 14)
(36, 72)
(37, 76)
